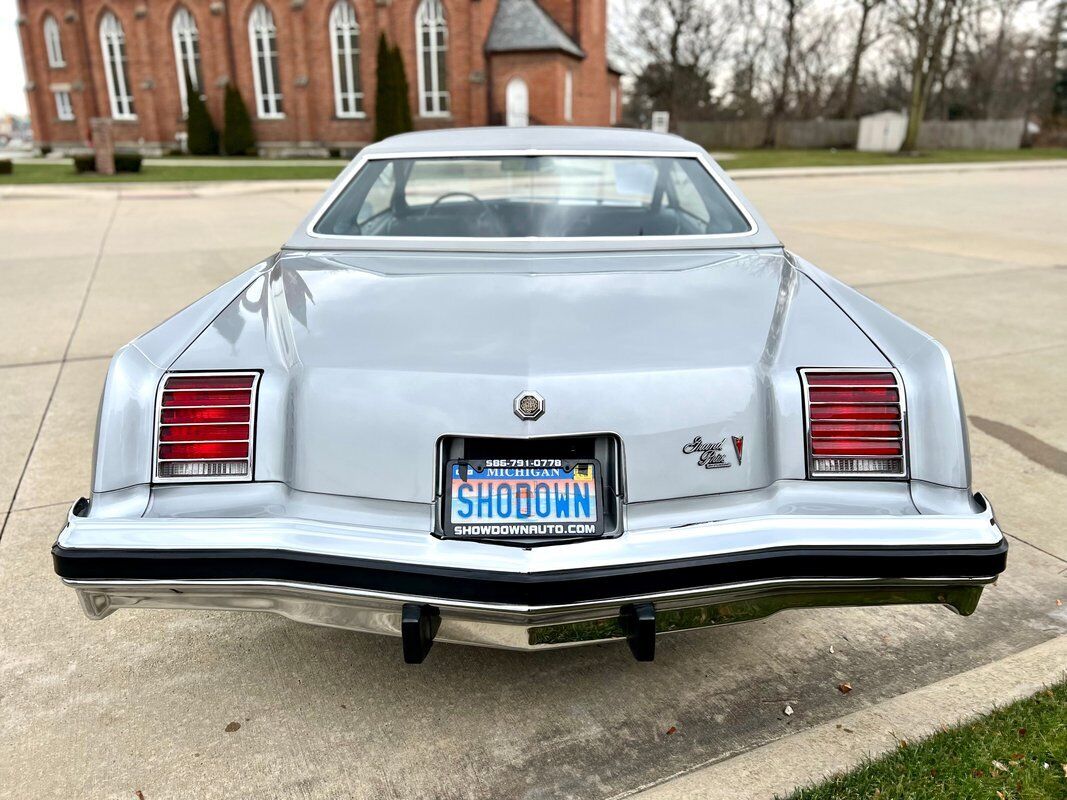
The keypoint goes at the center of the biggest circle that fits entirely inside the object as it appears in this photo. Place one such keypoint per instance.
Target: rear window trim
(327, 203)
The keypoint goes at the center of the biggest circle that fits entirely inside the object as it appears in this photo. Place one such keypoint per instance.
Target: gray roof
(523, 25)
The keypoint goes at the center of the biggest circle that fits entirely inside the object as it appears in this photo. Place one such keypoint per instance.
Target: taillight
(855, 423)
(205, 426)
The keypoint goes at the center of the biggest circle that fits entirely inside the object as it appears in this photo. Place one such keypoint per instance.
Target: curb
(892, 169)
(160, 189)
(844, 743)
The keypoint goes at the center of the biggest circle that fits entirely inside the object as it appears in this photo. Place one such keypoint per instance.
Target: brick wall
(304, 65)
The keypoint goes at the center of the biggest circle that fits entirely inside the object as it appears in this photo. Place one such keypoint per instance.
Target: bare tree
(781, 94)
(682, 42)
(860, 46)
(925, 25)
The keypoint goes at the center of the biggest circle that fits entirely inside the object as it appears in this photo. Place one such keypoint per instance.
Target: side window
(687, 195)
(379, 197)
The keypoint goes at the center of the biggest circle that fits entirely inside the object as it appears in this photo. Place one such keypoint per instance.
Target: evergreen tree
(238, 139)
(404, 121)
(203, 137)
(392, 114)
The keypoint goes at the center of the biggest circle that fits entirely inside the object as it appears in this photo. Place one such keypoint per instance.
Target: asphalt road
(186, 705)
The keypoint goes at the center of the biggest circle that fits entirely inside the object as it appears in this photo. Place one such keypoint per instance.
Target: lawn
(747, 159)
(244, 169)
(37, 172)
(1016, 753)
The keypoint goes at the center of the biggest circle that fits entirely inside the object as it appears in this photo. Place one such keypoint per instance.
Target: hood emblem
(529, 405)
(711, 455)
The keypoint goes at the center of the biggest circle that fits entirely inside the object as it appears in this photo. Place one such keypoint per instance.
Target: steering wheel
(446, 195)
(486, 211)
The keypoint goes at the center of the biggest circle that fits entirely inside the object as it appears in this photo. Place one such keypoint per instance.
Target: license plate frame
(532, 530)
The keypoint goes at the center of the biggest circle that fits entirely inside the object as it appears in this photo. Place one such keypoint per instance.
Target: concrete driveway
(194, 705)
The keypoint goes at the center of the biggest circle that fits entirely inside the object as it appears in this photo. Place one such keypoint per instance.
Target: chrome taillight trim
(159, 424)
(901, 403)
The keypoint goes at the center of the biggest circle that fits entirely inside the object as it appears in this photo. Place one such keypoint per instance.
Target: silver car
(530, 388)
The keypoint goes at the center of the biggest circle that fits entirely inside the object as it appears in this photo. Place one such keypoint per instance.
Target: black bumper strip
(542, 588)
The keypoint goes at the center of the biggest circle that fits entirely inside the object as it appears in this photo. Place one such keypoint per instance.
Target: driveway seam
(53, 361)
(62, 363)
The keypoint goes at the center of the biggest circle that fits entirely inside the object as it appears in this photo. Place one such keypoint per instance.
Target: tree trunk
(849, 108)
(778, 108)
(928, 47)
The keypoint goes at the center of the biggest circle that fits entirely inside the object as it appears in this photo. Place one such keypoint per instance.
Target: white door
(517, 99)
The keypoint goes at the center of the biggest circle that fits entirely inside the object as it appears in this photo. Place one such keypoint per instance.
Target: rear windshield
(523, 196)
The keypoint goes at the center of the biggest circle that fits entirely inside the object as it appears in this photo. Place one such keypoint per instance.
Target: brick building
(306, 68)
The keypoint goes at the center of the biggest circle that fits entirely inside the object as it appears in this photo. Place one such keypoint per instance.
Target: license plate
(523, 498)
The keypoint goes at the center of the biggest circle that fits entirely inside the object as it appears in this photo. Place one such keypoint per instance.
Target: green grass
(747, 159)
(64, 173)
(958, 764)
(242, 169)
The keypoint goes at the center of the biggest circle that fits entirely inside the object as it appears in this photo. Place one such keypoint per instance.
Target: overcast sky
(12, 98)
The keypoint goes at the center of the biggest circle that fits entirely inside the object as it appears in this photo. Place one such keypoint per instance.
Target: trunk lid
(370, 359)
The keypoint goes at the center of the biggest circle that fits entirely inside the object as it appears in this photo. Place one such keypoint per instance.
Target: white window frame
(613, 111)
(262, 33)
(568, 96)
(64, 107)
(53, 43)
(113, 50)
(186, 36)
(433, 100)
(344, 55)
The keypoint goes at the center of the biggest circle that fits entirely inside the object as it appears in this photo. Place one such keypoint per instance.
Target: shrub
(45, 149)
(128, 162)
(124, 162)
(392, 113)
(203, 136)
(238, 138)
(5, 167)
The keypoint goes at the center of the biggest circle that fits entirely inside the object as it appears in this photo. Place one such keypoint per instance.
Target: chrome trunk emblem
(529, 405)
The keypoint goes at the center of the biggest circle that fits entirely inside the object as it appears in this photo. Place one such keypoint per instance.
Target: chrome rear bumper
(523, 627)
(422, 589)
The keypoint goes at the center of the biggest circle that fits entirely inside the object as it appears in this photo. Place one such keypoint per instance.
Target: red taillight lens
(184, 416)
(204, 450)
(212, 382)
(203, 433)
(205, 426)
(855, 424)
(206, 398)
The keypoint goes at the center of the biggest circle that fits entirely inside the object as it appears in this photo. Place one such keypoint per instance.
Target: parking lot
(178, 704)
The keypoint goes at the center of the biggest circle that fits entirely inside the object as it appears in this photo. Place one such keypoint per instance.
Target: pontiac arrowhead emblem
(739, 444)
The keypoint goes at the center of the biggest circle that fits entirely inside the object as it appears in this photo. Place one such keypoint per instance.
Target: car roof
(540, 137)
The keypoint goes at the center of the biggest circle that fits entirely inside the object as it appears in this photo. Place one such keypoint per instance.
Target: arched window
(344, 47)
(432, 49)
(53, 45)
(186, 52)
(517, 103)
(568, 96)
(113, 45)
(263, 40)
